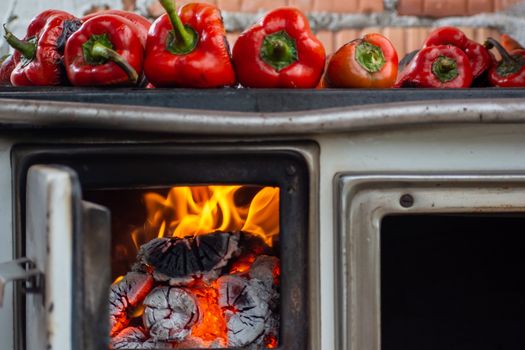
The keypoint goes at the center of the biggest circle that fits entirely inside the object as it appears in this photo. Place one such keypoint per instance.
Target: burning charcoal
(170, 313)
(246, 309)
(265, 269)
(181, 259)
(197, 343)
(136, 338)
(124, 295)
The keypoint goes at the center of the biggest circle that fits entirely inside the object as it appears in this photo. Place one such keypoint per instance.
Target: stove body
(447, 157)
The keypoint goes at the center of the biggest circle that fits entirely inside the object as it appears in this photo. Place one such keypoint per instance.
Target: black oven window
(453, 282)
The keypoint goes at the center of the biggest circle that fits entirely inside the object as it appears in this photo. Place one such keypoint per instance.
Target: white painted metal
(430, 148)
(49, 243)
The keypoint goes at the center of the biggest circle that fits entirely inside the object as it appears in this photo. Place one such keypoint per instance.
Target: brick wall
(405, 22)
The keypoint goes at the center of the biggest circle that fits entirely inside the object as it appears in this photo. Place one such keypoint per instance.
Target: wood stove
(349, 180)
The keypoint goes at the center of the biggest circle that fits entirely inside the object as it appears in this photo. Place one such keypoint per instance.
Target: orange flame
(195, 210)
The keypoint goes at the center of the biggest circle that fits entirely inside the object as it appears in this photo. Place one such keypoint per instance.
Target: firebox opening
(194, 266)
(453, 282)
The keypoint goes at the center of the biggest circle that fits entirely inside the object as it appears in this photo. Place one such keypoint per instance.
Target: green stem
(370, 57)
(509, 64)
(99, 51)
(26, 47)
(185, 37)
(445, 69)
(279, 50)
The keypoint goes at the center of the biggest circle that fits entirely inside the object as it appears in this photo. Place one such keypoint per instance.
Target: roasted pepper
(510, 71)
(479, 57)
(8, 64)
(279, 51)
(106, 50)
(39, 56)
(142, 24)
(370, 62)
(442, 66)
(188, 49)
(509, 43)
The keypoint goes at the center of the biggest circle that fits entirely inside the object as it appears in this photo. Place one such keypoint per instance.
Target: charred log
(265, 268)
(124, 295)
(170, 313)
(181, 259)
(246, 309)
(136, 338)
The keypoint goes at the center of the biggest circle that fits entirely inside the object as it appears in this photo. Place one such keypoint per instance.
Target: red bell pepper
(189, 49)
(280, 51)
(39, 55)
(104, 51)
(510, 71)
(141, 24)
(7, 66)
(479, 57)
(442, 66)
(370, 62)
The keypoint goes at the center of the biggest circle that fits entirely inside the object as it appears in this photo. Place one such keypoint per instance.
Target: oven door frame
(304, 308)
(362, 201)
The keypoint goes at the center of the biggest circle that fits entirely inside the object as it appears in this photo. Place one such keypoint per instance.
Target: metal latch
(22, 269)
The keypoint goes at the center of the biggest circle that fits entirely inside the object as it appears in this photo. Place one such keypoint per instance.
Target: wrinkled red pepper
(370, 62)
(280, 51)
(141, 24)
(479, 57)
(188, 49)
(104, 51)
(510, 71)
(39, 55)
(7, 66)
(442, 66)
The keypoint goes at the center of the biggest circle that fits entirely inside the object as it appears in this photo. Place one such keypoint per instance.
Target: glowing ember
(212, 325)
(271, 342)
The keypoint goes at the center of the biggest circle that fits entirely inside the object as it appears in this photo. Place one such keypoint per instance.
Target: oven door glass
(67, 239)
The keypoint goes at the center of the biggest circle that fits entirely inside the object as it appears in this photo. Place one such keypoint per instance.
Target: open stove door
(68, 240)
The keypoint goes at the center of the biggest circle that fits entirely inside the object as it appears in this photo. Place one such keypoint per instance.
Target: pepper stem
(279, 50)
(99, 51)
(445, 69)
(370, 57)
(182, 39)
(509, 64)
(26, 47)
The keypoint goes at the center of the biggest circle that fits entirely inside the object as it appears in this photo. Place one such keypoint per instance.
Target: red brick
(323, 5)
(345, 5)
(303, 5)
(410, 7)
(444, 8)
(229, 5)
(327, 38)
(369, 6)
(264, 5)
(414, 39)
(344, 36)
(480, 6)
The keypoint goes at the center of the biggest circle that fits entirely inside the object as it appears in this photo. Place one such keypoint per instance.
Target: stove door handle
(22, 269)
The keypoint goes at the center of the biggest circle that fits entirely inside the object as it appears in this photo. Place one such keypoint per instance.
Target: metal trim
(48, 114)
(363, 200)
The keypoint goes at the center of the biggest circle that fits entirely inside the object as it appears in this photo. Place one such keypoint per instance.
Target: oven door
(68, 240)
(385, 218)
